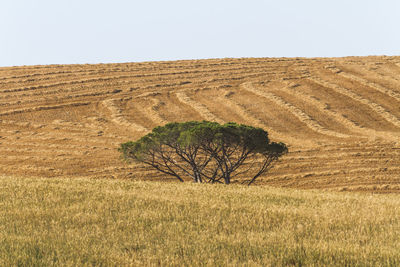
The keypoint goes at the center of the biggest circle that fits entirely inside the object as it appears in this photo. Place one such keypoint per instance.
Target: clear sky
(102, 31)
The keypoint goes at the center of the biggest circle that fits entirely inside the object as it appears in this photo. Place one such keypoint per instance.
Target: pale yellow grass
(69, 222)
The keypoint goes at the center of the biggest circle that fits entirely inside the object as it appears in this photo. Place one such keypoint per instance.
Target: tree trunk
(197, 177)
(227, 178)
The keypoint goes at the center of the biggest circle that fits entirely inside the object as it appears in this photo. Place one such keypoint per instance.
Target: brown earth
(339, 116)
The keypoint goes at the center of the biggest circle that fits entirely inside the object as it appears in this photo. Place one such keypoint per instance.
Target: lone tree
(206, 151)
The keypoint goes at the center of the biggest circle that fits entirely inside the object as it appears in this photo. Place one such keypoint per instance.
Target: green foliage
(206, 151)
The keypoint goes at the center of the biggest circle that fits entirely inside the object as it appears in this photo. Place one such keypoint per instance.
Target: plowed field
(339, 116)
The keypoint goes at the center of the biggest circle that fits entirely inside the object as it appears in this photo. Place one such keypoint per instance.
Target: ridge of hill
(339, 116)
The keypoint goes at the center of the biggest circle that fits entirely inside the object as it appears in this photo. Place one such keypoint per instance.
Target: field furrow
(347, 92)
(340, 117)
(303, 117)
(198, 107)
(364, 82)
(327, 111)
(118, 118)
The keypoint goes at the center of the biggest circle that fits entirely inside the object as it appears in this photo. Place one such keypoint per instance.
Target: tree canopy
(206, 151)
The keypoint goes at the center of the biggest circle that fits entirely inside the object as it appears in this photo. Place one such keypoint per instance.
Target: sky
(36, 32)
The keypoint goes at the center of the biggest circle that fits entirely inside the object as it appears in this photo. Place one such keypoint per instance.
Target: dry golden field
(339, 116)
(116, 222)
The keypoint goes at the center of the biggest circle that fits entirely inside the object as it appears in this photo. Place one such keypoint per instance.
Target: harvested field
(339, 116)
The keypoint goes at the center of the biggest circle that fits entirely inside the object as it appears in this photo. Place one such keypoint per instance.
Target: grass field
(81, 221)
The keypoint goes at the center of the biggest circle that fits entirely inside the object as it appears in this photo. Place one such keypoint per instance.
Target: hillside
(339, 116)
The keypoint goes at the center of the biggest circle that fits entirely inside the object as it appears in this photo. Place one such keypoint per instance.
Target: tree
(206, 151)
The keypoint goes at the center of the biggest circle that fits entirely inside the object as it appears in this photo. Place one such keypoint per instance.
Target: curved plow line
(239, 109)
(44, 151)
(18, 111)
(29, 145)
(99, 72)
(27, 167)
(303, 117)
(152, 113)
(99, 93)
(118, 118)
(390, 74)
(338, 117)
(41, 79)
(330, 173)
(22, 124)
(31, 88)
(355, 151)
(63, 93)
(117, 78)
(365, 82)
(56, 74)
(198, 107)
(331, 164)
(373, 85)
(222, 76)
(387, 73)
(344, 91)
(101, 143)
(21, 102)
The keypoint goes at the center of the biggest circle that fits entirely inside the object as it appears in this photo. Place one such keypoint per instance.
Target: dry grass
(339, 116)
(60, 221)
